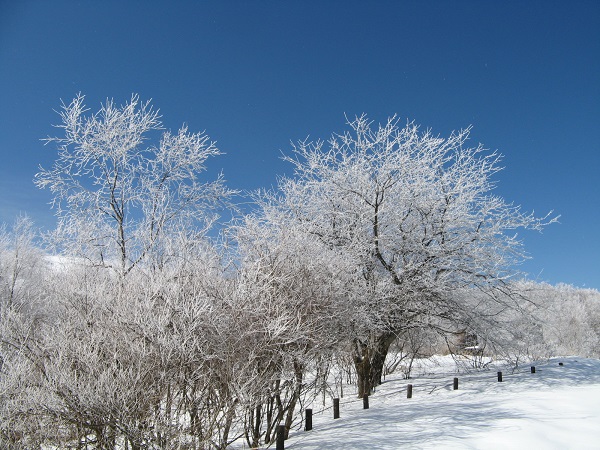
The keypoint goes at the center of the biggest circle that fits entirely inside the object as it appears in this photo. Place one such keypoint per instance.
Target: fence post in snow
(336, 408)
(455, 384)
(308, 420)
(499, 376)
(366, 401)
(532, 369)
(280, 437)
(409, 391)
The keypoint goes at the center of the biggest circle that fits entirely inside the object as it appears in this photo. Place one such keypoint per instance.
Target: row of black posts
(336, 409)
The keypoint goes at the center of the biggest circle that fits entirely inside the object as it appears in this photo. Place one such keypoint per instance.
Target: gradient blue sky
(257, 74)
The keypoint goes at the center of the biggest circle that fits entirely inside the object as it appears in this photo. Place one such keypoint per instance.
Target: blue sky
(256, 75)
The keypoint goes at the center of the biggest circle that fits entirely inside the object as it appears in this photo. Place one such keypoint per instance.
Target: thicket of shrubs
(195, 356)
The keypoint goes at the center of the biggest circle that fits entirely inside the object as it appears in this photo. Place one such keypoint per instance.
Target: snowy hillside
(557, 407)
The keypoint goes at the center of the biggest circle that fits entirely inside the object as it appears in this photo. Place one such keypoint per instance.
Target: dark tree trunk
(382, 346)
(230, 414)
(255, 417)
(105, 438)
(298, 372)
(362, 363)
(369, 362)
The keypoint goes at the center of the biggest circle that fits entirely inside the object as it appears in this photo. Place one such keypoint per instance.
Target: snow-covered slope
(558, 407)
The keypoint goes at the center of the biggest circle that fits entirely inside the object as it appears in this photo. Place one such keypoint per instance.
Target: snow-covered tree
(568, 319)
(23, 307)
(294, 286)
(417, 216)
(20, 263)
(133, 353)
(116, 194)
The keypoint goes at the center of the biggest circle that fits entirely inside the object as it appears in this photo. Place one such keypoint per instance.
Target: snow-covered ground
(558, 407)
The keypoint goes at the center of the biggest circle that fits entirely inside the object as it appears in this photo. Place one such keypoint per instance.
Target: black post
(455, 384)
(366, 401)
(532, 369)
(308, 420)
(280, 437)
(499, 376)
(409, 391)
(336, 408)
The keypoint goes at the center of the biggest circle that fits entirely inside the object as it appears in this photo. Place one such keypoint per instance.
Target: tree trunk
(382, 346)
(298, 372)
(369, 362)
(362, 363)
(256, 426)
(105, 437)
(227, 426)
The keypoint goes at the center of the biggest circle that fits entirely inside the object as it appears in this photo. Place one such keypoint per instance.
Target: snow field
(558, 407)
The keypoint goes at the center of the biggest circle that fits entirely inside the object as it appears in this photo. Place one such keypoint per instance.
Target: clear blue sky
(257, 74)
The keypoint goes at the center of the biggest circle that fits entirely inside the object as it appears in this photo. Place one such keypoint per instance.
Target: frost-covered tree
(20, 263)
(23, 307)
(417, 216)
(568, 319)
(147, 362)
(133, 355)
(295, 288)
(116, 193)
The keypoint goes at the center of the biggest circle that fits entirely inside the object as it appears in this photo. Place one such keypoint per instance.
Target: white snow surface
(558, 407)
